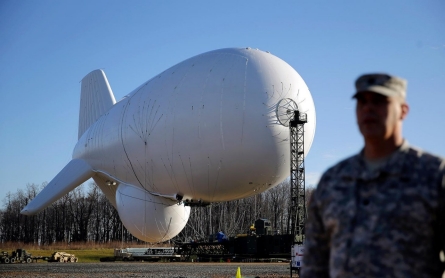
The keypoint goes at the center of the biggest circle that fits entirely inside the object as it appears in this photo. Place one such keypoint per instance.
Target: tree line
(85, 215)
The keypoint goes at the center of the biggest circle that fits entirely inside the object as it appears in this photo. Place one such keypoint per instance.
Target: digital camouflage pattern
(387, 222)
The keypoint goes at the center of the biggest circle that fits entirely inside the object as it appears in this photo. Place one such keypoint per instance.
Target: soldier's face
(379, 117)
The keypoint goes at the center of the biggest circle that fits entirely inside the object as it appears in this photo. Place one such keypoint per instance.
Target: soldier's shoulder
(346, 164)
(425, 158)
(346, 167)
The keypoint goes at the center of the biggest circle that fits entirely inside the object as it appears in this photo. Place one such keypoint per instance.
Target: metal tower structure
(297, 177)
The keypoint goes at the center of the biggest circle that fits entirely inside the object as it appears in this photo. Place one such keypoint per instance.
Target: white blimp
(212, 128)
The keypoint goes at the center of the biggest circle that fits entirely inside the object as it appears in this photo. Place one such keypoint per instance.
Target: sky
(47, 47)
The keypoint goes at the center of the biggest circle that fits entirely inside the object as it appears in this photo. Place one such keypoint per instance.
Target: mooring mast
(297, 189)
(297, 177)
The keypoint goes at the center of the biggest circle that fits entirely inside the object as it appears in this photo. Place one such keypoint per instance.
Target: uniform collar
(393, 166)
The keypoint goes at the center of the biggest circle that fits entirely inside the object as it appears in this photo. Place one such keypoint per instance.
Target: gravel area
(146, 269)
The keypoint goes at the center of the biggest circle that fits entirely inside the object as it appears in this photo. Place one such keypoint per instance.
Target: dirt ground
(146, 269)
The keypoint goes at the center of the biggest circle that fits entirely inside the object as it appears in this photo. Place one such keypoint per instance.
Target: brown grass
(74, 245)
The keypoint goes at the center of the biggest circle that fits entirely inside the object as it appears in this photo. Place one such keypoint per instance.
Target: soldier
(379, 213)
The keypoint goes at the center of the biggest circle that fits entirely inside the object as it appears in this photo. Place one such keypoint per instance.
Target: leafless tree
(85, 214)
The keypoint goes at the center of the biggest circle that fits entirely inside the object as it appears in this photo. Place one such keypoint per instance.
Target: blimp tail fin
(96, 97)
(74, 174)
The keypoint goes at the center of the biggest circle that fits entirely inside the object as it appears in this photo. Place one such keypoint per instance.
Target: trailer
(18, 256)
(260, 243)
(145, 254)
(242, 248)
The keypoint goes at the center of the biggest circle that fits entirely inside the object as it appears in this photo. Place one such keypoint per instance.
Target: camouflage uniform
(383, 223)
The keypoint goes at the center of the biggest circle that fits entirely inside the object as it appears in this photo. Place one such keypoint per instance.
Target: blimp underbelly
(205, 129)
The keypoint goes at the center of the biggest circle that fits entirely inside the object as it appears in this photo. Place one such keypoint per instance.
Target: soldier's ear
(405, 110)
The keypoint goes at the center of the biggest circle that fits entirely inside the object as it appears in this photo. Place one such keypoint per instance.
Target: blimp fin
(72, 175)
(96, 98)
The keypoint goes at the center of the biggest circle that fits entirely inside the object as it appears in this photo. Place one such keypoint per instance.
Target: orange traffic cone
(238, 273)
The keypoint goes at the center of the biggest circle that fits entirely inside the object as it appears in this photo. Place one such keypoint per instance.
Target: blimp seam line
(122, 141)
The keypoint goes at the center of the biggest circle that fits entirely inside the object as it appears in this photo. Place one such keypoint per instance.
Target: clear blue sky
(47, 47)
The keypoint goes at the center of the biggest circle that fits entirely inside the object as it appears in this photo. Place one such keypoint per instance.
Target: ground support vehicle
(4, 257)
(63, 257)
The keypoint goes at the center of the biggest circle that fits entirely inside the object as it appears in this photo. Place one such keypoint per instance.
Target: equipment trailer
(19, 256)
(144, 254)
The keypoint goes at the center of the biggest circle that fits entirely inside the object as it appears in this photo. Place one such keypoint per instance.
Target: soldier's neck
(376, 149)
